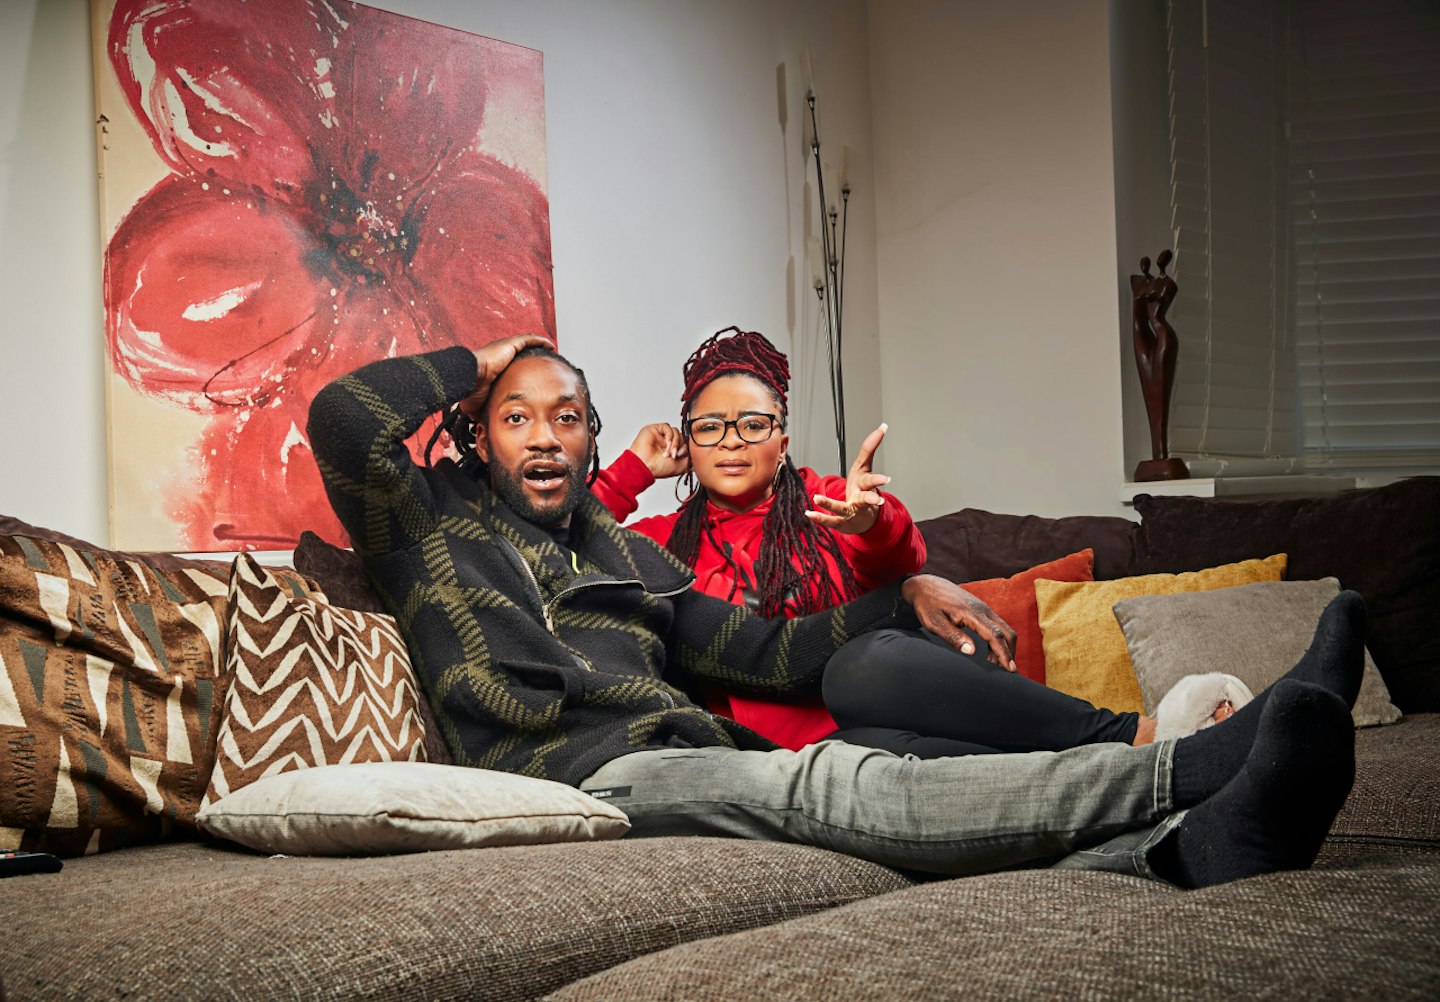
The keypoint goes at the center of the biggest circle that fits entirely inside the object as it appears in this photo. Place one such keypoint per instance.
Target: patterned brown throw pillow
(110, 689)
(311, 685)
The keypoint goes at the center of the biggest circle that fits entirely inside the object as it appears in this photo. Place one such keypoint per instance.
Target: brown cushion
(1366, 930)
(971, 544)
(1383, 542)
(186, 922)
(111, 680)
(340, 574)
(167, 562)
(310, 685)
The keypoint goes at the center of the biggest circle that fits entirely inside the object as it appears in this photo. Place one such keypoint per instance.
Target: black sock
(1335, 659)
(1205, 761)
(1275, 813)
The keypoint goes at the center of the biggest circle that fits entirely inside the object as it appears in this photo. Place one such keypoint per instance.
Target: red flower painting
(328, 203)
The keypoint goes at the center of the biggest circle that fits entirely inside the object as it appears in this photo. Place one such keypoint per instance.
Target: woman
(747, 532)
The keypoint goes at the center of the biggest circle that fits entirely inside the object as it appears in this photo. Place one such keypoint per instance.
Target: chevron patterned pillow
(310, 685)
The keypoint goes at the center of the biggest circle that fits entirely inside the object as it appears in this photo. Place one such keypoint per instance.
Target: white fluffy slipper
(1191, 703)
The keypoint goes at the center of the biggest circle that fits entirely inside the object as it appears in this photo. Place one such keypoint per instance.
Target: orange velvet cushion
(1013, 600)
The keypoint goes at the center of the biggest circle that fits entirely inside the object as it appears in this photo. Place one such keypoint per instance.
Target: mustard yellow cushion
(1085, 652)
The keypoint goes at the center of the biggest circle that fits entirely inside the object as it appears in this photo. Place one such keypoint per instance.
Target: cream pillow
(1085, 653)
(1255, 632)
(377, 808)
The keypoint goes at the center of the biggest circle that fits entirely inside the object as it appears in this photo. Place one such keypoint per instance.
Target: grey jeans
(1098, 807)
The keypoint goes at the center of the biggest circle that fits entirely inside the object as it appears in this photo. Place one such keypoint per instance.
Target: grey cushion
(1370, 929)
(1255, 632)
(188, 921)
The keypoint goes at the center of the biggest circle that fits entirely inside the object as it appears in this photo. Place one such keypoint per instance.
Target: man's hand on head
(944, 608)
(493, 359)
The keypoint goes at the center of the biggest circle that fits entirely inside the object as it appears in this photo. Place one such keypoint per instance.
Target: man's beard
(510, 486)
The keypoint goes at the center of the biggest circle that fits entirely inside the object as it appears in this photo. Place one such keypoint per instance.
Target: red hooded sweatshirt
(893, 546)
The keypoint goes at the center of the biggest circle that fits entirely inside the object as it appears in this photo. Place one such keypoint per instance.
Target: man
(549, 641)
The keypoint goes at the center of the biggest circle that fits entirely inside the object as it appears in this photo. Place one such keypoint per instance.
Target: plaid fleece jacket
(538, 660)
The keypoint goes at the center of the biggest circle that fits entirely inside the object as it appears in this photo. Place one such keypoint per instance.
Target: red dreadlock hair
(792, 548)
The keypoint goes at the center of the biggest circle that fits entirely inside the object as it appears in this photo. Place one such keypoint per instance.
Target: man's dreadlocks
(457, 424)
(792, 548)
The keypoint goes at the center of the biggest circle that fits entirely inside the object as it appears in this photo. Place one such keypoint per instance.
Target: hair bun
(735, 351)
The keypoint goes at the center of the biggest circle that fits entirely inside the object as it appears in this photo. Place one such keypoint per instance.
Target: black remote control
(13, 863)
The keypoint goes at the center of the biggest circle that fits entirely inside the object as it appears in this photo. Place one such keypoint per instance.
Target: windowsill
(1217, 487)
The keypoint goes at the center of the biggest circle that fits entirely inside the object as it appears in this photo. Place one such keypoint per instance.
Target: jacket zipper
(550, 621)
(534, 583)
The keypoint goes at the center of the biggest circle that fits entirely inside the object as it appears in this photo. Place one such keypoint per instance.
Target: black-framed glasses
(752, 429)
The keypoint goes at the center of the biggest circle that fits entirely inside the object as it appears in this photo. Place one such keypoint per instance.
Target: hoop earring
(688, 479)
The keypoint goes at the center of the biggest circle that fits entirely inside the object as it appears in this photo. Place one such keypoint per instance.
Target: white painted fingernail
(884, 426)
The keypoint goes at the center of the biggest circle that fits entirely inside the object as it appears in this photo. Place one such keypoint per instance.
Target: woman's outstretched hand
(944, 608)
(861, 507)
(663, 450)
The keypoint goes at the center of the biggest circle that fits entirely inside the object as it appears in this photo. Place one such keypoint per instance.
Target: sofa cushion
(971, 544)
(310, 685)
(1085, 653)
(167, 563)
(1364, 930)
(340, 574)
(1383, 542)
(375, 808)
(1394, 805)
(495, 924)
(1256, 632)
(1013, 600)
(111, 680)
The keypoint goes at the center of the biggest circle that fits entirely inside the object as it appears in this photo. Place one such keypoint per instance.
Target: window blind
(1234, 404)
(1365, 197)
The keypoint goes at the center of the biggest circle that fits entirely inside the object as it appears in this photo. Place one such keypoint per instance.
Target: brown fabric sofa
(675, 918)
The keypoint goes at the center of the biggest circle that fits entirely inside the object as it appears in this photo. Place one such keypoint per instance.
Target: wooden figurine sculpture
(1156, 349)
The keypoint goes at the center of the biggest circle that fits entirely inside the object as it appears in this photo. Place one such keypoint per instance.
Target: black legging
(911, 693)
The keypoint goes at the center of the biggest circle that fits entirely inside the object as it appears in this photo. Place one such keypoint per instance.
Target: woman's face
(737, 474)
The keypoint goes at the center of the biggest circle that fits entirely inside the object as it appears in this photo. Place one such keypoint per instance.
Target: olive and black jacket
(537, 658)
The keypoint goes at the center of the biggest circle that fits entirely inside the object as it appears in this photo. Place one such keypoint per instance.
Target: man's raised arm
(358, 426)
(359, 423)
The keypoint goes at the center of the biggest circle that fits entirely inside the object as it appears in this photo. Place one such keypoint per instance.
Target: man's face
(537, 440)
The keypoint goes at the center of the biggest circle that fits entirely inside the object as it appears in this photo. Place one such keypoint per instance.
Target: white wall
(675, 206)
(997, 254)
(987, 219)
(52, 395)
